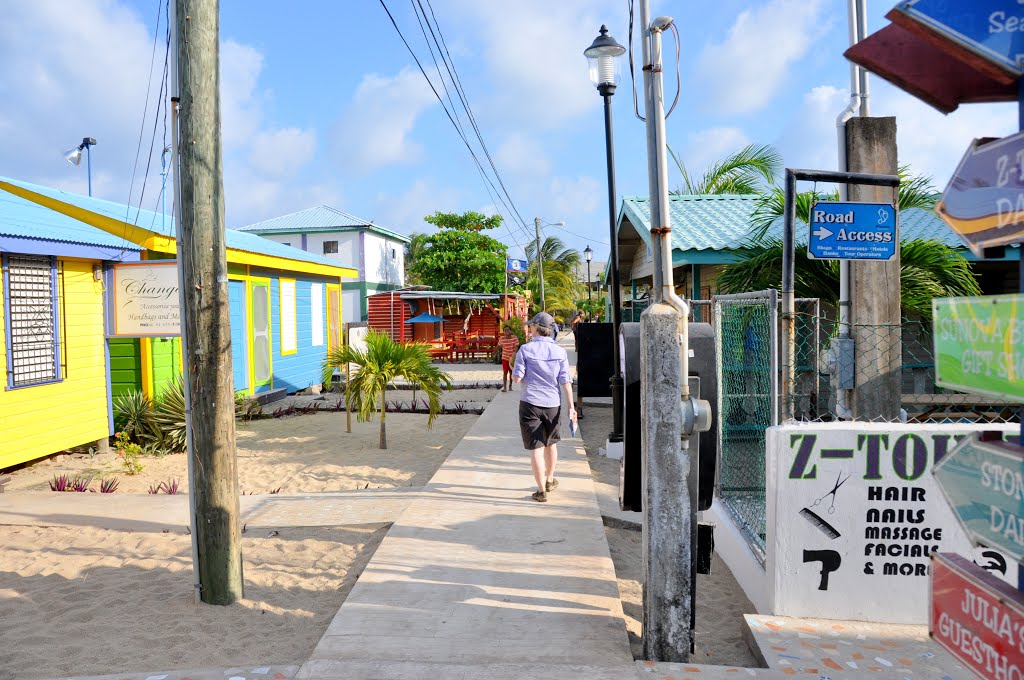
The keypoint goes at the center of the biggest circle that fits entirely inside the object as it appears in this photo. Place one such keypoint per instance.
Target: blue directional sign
(989, 28)
(852, 231)
(984, 484)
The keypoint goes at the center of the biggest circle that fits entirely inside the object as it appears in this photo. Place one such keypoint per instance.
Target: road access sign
(984, 202)
(989, 28)
(979, 345)
(984, 484)
(852, 231)
(975, 616)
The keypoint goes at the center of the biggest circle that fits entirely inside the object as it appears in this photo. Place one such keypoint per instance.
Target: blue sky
(322, 103)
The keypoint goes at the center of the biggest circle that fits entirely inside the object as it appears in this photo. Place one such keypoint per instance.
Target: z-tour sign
(852, 231)
(145, 300)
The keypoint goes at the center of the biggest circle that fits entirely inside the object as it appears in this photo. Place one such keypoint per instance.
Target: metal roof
(320, 218)
(723, 222)
(21, 218)
(154, 222)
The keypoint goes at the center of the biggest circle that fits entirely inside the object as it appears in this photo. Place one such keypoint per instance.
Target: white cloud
(708, 146)
(250, 197)
(404, 211)
(375, 131)
(280, 153)
(745, 70)
(534, 49)
(576, 196)
(521, 154)
(809, 138)
(241, 108)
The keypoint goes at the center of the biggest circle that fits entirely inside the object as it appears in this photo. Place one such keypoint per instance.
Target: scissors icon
(839, 483)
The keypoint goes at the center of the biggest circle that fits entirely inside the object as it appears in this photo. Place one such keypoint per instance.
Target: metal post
(88, 165)
(540, 266)
(589, 291)
(788, 274)
(617, 383)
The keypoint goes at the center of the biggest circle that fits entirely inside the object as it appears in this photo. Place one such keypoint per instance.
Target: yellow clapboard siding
(79, 402)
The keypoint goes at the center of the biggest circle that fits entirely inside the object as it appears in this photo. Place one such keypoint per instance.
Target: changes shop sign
(854, 515)
(144, 300)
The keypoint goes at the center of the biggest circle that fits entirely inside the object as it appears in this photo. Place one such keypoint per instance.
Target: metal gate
(746, 345)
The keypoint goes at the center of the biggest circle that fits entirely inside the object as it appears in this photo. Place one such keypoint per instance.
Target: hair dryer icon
(830, 561)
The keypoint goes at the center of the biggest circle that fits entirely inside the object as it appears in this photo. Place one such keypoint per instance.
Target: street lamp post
(603, 56)
(589, 254)
(74, 156)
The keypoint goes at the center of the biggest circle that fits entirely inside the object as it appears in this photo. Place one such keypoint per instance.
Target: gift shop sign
(979, 345)
(978, 618)
(145, 300)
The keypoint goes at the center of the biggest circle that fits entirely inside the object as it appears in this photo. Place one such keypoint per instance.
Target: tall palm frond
(382, 362)
(746, 171)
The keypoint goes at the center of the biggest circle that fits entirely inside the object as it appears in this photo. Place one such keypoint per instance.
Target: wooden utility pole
(875, 286)
(205, 316)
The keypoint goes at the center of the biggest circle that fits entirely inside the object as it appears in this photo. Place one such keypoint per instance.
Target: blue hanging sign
(992, 29)
(852, 231)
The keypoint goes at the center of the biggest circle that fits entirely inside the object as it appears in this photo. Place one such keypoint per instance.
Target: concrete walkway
(476, 580)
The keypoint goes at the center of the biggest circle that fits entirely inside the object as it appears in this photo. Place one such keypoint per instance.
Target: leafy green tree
(460, 257)
(746, 171)
(382, 362)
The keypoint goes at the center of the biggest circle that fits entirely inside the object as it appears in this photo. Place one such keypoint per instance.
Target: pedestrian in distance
(576, 321)
(509, 343)
(543, 368)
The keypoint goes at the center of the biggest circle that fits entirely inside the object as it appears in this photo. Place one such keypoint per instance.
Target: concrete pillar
(667, 635)
(875, 310)
(102, 445)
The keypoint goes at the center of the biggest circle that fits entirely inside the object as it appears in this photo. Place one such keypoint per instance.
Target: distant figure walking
(509, 343)
(543, 367)
(576, 321)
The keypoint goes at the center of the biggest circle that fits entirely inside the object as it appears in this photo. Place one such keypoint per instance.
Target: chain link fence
(746, 346)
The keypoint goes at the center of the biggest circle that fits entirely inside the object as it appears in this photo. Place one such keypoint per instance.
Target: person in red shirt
(509, 343)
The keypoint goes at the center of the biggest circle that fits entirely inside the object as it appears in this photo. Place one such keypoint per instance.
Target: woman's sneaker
(552, 485)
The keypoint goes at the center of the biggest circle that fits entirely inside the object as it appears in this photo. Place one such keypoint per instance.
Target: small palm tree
(745, 172)
(561, 264)
(414, 249)
(383, 361)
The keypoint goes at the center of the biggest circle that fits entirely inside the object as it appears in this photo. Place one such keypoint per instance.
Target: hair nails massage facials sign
(853, 516)
(145, 300)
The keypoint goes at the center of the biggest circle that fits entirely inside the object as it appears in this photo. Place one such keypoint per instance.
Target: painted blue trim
(7, 323)
(108, 310)
(30, 386)
(55, 296)
(33, 246)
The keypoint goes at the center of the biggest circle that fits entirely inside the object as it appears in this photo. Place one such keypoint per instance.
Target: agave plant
(109, 485)
(133, 414)
(80, 484)
(169, 416)
(383, 361)
(60, 483)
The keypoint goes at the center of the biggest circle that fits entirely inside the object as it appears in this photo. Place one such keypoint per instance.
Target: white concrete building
(377, 253)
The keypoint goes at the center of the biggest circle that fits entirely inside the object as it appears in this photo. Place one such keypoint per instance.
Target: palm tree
(413, 250)
(382, 362)
(561, 263)
(746, 171)
(929, 268)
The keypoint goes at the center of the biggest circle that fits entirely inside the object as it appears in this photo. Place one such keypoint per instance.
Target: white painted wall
(348, 245)
(351, 305)
(859, 589)
(384, 260)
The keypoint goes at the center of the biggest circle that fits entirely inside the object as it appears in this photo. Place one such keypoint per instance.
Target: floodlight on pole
(588, 253)
(74, 156)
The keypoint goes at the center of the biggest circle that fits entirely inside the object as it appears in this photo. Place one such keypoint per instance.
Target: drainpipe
(854, 11)
(660, 215)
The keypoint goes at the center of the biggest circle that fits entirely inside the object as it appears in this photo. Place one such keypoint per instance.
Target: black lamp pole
(607, 90)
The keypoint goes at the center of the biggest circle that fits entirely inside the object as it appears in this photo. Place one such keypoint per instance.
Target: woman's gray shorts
(539, 425)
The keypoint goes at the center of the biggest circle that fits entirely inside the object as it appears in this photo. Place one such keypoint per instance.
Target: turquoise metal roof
(320, 218)
(723, 223)
(20, 218)
(155, 222)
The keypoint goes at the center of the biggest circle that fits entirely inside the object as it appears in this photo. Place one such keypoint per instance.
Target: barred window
(31, 325)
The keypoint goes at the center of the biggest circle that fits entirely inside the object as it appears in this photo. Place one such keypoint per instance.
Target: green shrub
(169, 417)
(129, 452)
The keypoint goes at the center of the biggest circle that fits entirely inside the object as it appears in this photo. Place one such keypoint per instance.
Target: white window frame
(316, 312)
(289, 329)
(27, 312)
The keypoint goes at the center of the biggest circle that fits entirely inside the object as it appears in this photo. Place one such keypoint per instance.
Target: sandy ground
(721, 602)
(303, 453)
(92, 601)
